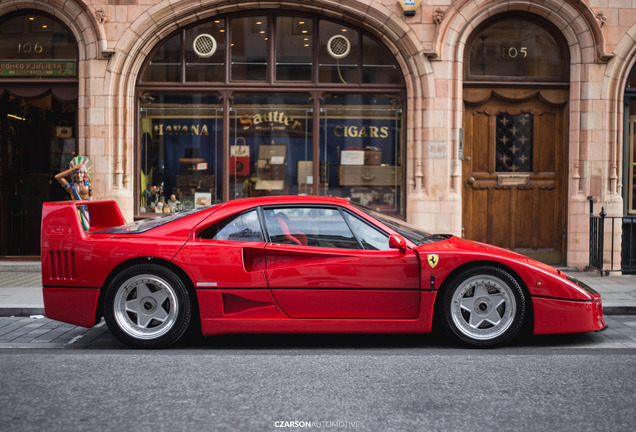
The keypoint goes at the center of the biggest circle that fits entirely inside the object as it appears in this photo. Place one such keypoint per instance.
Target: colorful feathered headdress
(83, 163)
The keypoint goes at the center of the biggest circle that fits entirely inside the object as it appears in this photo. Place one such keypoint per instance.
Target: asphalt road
(85, 380)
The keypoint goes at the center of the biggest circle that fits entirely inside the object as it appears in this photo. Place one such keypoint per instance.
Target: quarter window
(245, 227)
(371, 238)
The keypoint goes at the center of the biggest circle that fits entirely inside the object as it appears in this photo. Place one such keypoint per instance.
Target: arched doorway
(38, 103)
(515, 137)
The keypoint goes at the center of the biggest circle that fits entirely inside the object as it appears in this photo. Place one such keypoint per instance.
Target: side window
(244, 227)
(371, 238)
(309, 226)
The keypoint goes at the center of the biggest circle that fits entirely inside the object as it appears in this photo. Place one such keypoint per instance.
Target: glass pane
(205, 52)
(309, 227)
(371, 238)
(515, 48)
(294, 49)
(249, 49)
(631, 189)
(632, 79)
(245, 227)
(35, 45)
(181, 151)
(514, 142)
(361, 150)
(378, 65)
(338, 53)
(165, 64)
(270, 144)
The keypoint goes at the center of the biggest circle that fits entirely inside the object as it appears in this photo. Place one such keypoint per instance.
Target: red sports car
(294, 265)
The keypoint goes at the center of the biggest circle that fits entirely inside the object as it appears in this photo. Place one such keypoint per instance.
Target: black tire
(483, 307)
(148, 306)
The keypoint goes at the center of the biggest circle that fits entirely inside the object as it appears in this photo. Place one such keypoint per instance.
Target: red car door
(323, 272)
(227, 255)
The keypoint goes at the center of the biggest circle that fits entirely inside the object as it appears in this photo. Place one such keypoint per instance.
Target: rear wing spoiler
(62, 233)
(66, 215)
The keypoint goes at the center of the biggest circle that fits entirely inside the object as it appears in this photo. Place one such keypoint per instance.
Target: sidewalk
(21, 290)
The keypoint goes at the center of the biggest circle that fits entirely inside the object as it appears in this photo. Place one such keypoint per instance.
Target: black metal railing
(598, 236)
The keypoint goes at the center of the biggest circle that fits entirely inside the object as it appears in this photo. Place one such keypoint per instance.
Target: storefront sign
(195, 129)
(272, 121)
(38, 68)
(361, 131)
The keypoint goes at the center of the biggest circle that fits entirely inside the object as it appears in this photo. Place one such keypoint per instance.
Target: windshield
(407, 231)
(144, 225)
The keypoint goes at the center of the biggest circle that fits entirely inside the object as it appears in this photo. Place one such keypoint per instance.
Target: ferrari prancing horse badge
(432, 260)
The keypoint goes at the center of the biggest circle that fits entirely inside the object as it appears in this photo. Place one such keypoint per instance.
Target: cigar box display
(352, 157)
(271, 166)
(372, 157)
(195, 181)
(372, 175)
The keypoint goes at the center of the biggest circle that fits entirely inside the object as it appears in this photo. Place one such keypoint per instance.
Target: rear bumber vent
(62, 264)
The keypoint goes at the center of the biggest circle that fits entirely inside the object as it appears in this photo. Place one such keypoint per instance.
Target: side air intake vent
(62, 264)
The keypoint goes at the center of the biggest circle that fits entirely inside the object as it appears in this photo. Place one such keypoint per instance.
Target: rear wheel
(147, 306)
(484, 307)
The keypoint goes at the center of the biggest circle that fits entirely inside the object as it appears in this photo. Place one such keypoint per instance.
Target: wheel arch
(529, 318)
(178, 271)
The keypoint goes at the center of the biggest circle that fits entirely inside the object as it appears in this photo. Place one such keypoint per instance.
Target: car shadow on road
(436, 341)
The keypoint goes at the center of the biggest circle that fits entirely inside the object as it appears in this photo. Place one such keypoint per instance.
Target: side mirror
(396, 241)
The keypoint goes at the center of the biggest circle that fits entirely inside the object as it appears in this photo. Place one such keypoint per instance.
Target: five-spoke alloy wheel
(147, 306)
(483, 306)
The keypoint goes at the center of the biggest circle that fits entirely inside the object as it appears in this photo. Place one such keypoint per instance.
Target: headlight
(586, 287)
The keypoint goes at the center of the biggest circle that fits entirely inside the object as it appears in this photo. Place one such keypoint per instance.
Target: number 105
(513, 52)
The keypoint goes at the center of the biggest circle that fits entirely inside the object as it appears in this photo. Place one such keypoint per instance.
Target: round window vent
(338, 46)
(204, 45)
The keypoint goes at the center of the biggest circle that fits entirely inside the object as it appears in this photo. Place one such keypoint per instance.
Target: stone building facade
(495, 120)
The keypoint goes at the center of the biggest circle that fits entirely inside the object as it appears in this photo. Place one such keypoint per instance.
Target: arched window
(517, 48)
(267, 104)
(36, 45)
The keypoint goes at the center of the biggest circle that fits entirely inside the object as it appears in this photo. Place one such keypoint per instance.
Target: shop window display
(181, 152)
(272, 104)
(360, 149)
(271, 144)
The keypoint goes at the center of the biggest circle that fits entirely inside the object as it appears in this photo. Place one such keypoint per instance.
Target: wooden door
(515, 170)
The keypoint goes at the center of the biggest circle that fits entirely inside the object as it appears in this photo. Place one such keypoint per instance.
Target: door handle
(471, 180)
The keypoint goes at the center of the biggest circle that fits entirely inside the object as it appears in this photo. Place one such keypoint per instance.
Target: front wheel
(147, 306)
(483, 307)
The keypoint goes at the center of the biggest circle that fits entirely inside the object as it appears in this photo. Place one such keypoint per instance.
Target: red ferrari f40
(294, 265)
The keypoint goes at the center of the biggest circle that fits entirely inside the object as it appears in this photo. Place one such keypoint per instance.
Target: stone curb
(21, 311)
